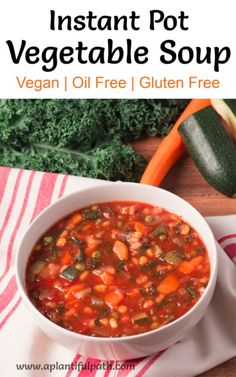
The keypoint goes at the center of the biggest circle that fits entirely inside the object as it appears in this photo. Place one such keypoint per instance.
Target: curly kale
(82, 137)
(60, 123)
(114, 162)
(142, 118)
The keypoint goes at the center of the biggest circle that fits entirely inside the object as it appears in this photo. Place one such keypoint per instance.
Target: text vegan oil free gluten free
(102, 82)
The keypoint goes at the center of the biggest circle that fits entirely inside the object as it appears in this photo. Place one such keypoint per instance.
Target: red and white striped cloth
(23, 194)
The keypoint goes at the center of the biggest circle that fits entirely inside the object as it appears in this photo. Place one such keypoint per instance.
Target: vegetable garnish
(82, 137)
(171, 147)
(120, 268)
(212, 149)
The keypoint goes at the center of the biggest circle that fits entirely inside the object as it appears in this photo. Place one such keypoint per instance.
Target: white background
(211, 23)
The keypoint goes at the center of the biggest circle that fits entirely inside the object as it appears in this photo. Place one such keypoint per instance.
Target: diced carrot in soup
(76, 218)
(114, 298)
(104, 276)
(140, 227)
(169, 285)
(186, 267)
(66, 258)
(196, 261)
(121, 250)
(70, 292)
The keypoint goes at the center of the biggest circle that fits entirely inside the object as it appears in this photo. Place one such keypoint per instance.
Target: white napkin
(26, 351)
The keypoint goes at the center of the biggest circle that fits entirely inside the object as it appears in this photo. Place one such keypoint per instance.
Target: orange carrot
(76, 218)
(121, 250)
(72, 290)
(133, 293)
(186, 267)
(171, 147)
(87, 227)
(66, 258)
(107, 278)
(101, 288)
(140, 227)
(113, 298)
(90, 249)
(196, 261)
(168, 285)
(70, 312)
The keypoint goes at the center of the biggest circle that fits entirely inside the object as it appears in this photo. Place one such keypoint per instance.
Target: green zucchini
(70, 273)
(192, 291)
(159, 230)
(172, 258)
(140, 318)
(226, 108)
(211, 149)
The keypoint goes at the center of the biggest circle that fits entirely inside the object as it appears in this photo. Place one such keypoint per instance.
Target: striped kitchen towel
(26, 351)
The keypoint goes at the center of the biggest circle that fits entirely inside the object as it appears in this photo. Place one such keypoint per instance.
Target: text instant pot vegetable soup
(117, 269)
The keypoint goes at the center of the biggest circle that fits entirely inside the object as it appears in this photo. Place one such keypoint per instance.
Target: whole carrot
(171, 147)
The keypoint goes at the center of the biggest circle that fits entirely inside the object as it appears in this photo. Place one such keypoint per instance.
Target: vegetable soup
(117, 269)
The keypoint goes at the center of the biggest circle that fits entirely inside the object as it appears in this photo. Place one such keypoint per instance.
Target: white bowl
(128, 347)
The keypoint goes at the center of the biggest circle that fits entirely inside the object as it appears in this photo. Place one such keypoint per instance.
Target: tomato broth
(117, 269)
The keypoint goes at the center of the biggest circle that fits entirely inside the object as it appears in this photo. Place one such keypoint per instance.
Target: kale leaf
(82, 137)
